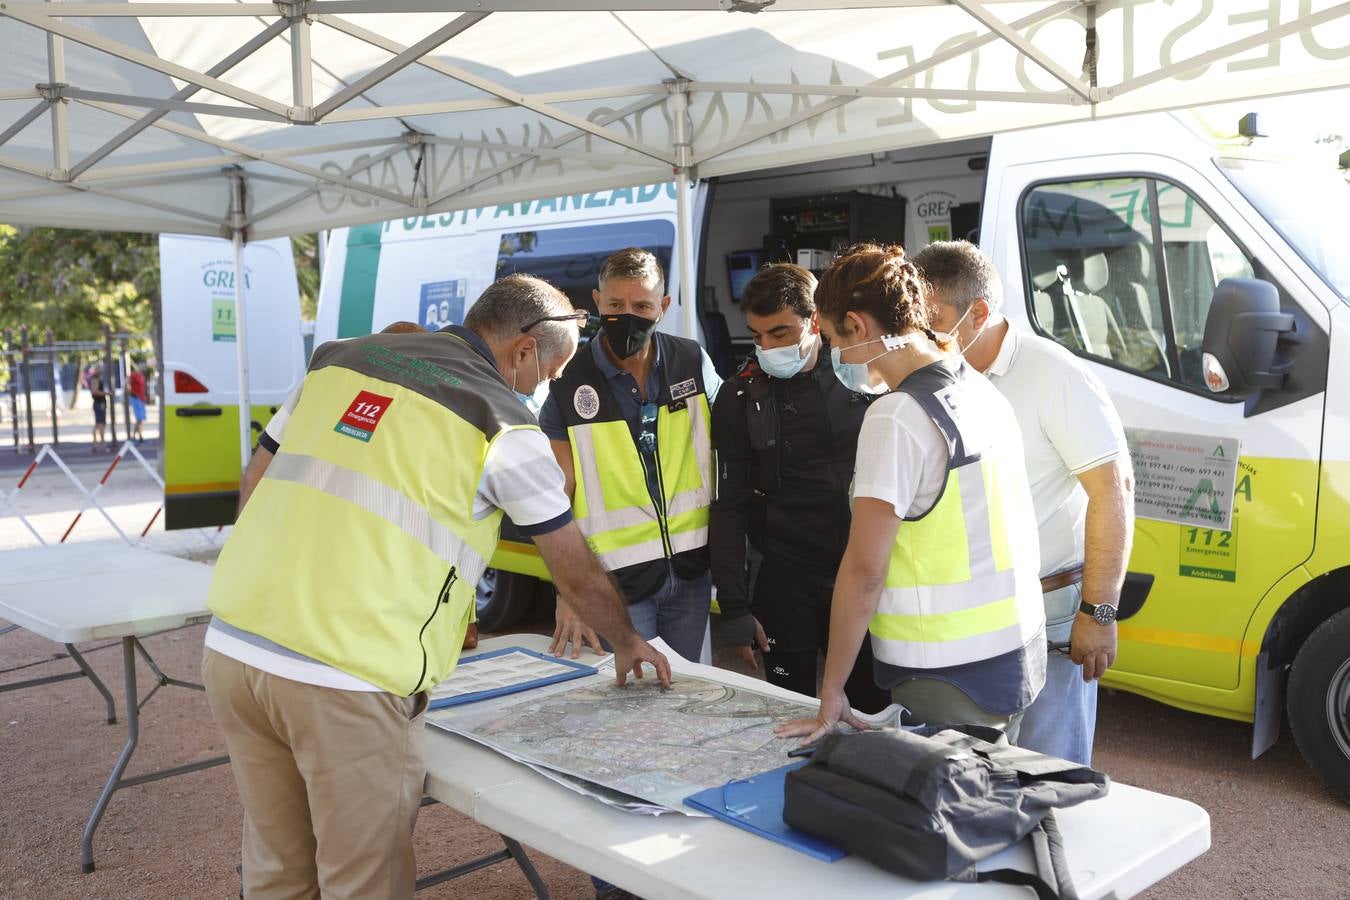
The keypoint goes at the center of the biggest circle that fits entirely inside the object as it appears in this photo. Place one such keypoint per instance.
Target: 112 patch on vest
(363, 416)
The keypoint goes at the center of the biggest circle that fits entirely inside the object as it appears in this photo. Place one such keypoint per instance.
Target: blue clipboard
(575, 670)
(756, 804)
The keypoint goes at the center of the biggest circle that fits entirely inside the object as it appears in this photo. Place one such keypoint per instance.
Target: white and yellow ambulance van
(201, 369)
(1207, 286)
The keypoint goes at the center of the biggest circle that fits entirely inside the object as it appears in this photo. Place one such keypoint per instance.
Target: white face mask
(951, 335)
(533, 401)
(856, 376)
(785, 362)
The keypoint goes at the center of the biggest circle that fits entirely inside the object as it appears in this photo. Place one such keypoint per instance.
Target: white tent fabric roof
(136, 116)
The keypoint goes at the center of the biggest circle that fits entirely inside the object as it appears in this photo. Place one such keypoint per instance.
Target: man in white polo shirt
(1082, 486)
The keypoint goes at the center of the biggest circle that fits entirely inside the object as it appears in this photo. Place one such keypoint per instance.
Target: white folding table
(77, 593)
(1116, 846)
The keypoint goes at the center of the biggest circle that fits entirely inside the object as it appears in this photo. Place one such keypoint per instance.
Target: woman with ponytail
(942, 559)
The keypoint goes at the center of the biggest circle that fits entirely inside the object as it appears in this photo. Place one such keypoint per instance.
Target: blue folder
(576, 670)
(756, 804)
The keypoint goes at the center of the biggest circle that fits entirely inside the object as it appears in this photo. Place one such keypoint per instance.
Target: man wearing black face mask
(629, 423)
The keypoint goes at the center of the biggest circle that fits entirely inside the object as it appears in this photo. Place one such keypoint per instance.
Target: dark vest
(681, 366)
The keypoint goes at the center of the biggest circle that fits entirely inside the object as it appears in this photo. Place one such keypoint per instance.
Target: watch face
(1104, 614)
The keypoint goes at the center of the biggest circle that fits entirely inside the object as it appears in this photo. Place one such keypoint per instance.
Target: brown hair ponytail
(879, 280)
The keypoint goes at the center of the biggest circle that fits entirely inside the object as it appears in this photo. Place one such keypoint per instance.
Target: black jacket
(785, 452)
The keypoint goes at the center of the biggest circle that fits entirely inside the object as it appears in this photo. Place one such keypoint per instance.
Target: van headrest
(1096, 274)
(1044, 280)
(1133, 261)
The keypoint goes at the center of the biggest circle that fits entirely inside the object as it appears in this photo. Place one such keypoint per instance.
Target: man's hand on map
(834, 708)
(569, 629)
(760, 640)
(632, 658)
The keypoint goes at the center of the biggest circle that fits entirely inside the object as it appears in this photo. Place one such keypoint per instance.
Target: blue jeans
(1063, 719)
(678, 614)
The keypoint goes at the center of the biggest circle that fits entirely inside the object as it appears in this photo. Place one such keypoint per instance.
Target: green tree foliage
(74, 281)
(306, 251)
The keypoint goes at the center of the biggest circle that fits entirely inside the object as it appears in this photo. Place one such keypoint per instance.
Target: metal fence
(38, 366)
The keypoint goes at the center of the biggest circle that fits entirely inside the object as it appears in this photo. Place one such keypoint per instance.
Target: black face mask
(627, 334)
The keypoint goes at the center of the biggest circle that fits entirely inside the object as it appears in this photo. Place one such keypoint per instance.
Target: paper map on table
(659, 746)
(503, 672)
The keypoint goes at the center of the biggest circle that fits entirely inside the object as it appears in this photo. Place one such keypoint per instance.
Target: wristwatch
(1102, 613)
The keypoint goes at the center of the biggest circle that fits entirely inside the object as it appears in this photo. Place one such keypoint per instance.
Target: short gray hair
(511, 303)
(960, 273)
(633, 263)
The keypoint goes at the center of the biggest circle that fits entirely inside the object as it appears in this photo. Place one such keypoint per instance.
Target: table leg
(523, 860)
(98, 682)
(130, 646)
(133, 736)
(512, 851)
(84, 672)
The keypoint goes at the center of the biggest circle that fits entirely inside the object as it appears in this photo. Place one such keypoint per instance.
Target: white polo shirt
(1069, 426)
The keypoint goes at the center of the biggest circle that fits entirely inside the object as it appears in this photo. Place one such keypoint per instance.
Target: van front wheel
(504, 598)
(1319, 702)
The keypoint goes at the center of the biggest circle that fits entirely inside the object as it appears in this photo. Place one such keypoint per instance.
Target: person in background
(99, 394)
(1082, 487)
(942, 557)
(138, 398)
(629, 424)
(342, 595)
(786, 432)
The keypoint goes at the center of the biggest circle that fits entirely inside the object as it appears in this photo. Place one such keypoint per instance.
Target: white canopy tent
(252, 120)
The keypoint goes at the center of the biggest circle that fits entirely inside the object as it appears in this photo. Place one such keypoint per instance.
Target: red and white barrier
(91, 496)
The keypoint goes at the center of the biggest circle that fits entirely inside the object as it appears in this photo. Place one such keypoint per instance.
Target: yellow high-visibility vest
(359, 547)
(612, 503)
(962, 583)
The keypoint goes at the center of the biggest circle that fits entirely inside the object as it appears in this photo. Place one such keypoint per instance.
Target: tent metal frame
(296, 19)
(236, 163)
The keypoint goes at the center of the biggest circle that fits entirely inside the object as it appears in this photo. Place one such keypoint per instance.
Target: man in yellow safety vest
(368, 514)
(629, 422)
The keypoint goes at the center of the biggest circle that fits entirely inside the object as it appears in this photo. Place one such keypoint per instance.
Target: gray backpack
(929, 807)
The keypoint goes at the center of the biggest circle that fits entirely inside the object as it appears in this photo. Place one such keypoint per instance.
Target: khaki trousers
(331, 783)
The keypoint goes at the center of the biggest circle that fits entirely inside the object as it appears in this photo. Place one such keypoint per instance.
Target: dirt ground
(1276, 833)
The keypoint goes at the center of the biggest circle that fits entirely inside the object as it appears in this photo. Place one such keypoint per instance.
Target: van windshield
(1310, 208)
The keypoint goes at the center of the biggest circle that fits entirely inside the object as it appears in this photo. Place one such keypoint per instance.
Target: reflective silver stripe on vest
(682, 541)
(947, 598)
(700, 497)
(600, 520)
(621, 557)
(379, 499)
(939, 655)
(986, 584)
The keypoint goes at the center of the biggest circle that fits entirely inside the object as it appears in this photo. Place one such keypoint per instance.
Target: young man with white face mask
(786, 432)
(1081, 485)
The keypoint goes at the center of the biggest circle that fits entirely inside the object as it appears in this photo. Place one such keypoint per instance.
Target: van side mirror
(1242, 334)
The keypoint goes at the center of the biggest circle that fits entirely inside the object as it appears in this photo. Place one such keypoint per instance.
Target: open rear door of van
(201, 371)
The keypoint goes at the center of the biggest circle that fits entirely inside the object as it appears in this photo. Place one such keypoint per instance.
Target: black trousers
(792, 602)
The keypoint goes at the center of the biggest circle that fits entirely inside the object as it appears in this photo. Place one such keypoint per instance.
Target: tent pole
(240, 318)
(684, 214)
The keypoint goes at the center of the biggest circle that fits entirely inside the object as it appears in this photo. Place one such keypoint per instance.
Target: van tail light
(184, 383)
